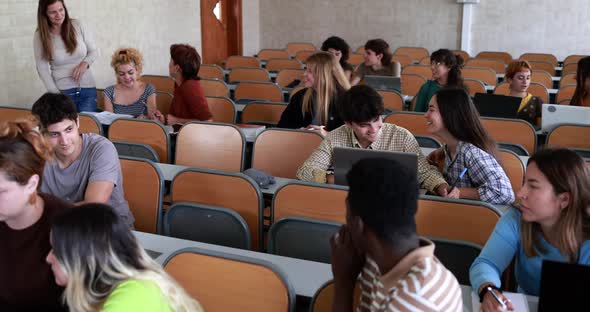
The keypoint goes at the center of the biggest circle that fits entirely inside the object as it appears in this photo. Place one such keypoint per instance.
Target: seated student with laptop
(518, 75)
(361, 108)
(86, 166)
(452, 116)
(552, 223)
(398, 269)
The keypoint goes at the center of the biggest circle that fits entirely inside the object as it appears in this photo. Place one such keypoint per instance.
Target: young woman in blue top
(446, 72)
(97, 259)
(453, 117)
(551, 223)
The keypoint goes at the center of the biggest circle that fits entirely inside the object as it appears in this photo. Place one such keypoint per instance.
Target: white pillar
(466, 24)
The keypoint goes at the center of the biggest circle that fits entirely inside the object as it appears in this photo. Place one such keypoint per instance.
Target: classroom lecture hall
(220, 205)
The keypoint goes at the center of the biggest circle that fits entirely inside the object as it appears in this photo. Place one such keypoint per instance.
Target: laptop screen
(564, 286)
(495, 105)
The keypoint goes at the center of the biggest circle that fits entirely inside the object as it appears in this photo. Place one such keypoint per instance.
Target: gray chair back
(139, 150)
(427, 141)
(207, 224)
(302, 238)
(457, 256)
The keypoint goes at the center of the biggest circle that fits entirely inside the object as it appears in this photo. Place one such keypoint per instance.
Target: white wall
(251, 26)
(144, 24)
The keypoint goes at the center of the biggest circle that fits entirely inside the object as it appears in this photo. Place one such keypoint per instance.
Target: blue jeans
(84, 98)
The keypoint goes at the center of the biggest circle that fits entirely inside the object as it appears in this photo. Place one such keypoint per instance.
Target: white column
(466, 24)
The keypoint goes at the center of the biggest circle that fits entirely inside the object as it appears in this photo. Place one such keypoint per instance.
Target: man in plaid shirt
(361, 108)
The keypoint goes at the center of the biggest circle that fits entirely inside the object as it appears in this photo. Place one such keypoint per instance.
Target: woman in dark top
(26, 281)
(341, 50)
(582, 93)
(315, 107)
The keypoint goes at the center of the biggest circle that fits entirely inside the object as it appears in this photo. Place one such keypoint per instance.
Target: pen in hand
(460, 176)
(500, 301)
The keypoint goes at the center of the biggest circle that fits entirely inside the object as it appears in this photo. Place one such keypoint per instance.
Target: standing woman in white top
(64, 51)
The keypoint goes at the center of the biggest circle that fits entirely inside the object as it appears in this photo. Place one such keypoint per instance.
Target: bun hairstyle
(454, 62)
(23, 150)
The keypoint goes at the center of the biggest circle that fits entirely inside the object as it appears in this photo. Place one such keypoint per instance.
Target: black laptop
(345, 158)
(495, 105)
(384, 82)
(564, 286)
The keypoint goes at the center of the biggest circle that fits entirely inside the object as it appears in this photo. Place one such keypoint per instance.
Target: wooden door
(221, 29)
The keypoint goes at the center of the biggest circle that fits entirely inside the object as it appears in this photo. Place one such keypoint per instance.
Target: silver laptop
(345, 158)
(563, 114)
(384, 83)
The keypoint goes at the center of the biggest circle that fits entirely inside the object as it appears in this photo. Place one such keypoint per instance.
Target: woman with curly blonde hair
(25, 218)
(97, 259)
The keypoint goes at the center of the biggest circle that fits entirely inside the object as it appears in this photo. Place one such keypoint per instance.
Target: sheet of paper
(106, 118)
(519, 301)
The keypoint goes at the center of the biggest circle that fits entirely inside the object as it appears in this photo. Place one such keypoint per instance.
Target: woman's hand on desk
(319, 129)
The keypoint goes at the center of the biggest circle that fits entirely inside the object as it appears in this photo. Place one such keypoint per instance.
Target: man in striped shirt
(398, 269)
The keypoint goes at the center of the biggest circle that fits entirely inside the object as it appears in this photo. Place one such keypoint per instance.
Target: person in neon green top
(446, 73)
(96, 258)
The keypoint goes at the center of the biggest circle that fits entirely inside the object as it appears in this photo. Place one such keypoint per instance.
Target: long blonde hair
(98, 251)
(566, 172)
(329, 79)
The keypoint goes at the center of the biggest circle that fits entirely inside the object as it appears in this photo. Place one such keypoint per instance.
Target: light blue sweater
(503, 245)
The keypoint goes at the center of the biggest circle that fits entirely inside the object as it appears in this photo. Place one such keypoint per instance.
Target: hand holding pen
(459, 177)
(496, 302)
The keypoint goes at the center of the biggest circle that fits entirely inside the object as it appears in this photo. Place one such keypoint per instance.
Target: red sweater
(189, 101)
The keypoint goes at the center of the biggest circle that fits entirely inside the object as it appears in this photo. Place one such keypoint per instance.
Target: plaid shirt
(483, 173)
(391, 138)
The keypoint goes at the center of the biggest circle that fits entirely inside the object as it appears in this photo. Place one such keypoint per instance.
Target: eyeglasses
(436, 63)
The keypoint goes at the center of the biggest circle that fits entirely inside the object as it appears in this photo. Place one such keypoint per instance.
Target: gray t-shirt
(98, 161)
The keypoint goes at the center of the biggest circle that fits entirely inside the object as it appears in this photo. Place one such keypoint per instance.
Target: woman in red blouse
(189, 102)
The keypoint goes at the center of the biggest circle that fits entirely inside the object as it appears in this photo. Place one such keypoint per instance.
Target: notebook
(552, 115)
(345, 158)
(564, 286)
(519, 301)
(384, 83)
(495, 105)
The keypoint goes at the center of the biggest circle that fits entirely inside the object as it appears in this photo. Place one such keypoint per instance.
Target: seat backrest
(89, 124)
(287, 76)
(392, 100)
(502, 88)
(263, 112)
(411, 84)
(544, 57)
(227, 282)
(463, 54)
(324, 298)
(301, 199)
(569, 69)
(569, 135)
(458, 219)
(542, 77)
(258, 91)
(294, 47)
(425, 61)
(485, 75)
(457, 256)
(565, 92)
(144, 190)
(495, 64)
(416, 53)
(513, 167)
(207, 224)
(303, 55)
(539, 90)
(423, 71)
(355, 59)
(515, 131)
(412, 121)
(266, 54)
(161, 83)
(241, 61)
(248, 74)
(275, 65)
(541, 65)
(137, 150)
(572, 59)
(211, 146)
(474, 86)
(14, 113)
(211, 71)
(504, 56)
(302, 238)
(214, 87)
(569, 79)
(222, 109)
(403, 60)
(427, 141)
(234, 191)
(163, 102)
(280, 152)
(142, 131)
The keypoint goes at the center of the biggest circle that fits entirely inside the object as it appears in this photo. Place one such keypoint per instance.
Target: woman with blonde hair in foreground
(96, 257)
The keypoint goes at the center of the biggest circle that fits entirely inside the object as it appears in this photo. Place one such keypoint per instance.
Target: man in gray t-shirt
(86, 167)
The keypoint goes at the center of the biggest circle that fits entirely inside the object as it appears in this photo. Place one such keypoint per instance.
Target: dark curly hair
(360, 103)
(52, 108)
